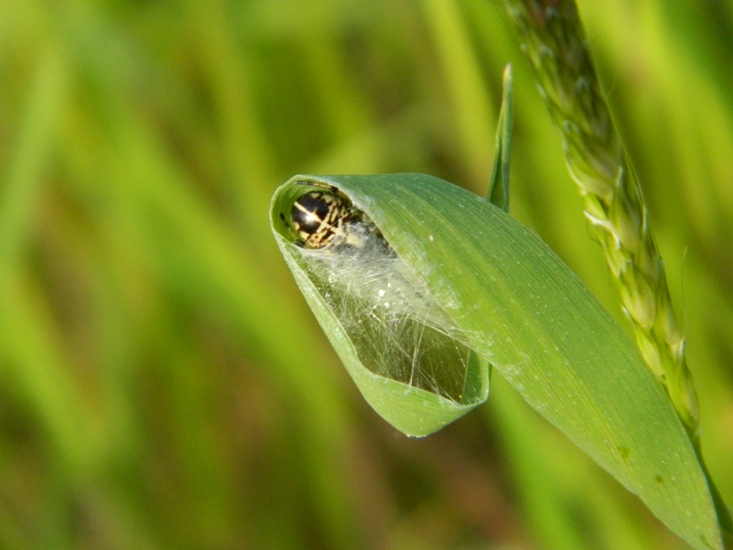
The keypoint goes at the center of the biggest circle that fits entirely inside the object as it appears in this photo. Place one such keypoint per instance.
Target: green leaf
(498, 193)
(511, 300)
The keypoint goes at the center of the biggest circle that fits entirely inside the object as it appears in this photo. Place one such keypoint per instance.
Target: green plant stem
(551, 37)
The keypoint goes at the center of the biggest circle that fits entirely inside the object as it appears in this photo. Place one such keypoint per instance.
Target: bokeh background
(163, 385)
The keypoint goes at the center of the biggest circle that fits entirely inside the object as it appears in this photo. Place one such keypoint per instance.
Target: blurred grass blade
(522, 310)
(498, 193)
(21, 186)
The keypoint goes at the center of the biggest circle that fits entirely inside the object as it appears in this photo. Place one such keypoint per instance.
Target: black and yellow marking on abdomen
(321, 219)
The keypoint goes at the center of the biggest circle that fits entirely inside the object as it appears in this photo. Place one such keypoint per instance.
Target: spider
(326, 219)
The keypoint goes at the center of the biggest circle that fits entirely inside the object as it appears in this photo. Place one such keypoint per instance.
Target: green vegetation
(162, 382)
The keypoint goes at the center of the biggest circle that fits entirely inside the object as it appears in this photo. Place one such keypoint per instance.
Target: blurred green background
(163, 385)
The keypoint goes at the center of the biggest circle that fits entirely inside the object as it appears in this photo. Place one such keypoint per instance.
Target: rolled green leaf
(469, 286)
(406, 355)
